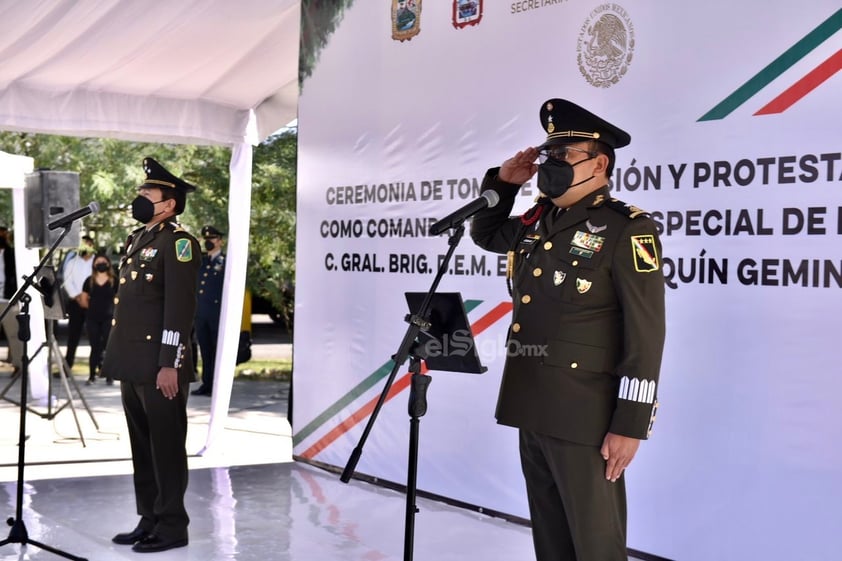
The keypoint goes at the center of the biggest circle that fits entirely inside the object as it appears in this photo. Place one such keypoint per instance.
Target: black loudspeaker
(49, 195)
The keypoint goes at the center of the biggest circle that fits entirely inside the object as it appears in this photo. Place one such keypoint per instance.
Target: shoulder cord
(527, 219)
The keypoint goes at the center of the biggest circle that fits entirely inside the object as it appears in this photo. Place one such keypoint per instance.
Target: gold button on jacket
(153, 314)
(588, 297)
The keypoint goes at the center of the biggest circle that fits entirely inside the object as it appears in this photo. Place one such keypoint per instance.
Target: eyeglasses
(562, 153)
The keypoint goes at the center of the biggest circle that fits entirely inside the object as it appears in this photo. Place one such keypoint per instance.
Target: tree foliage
(319, 19)
(110, 170)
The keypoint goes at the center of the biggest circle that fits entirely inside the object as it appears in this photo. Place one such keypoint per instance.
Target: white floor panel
(283, 512)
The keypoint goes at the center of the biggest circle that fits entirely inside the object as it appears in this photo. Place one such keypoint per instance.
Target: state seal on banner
(466, 12)
(406, 19)
(606, 45)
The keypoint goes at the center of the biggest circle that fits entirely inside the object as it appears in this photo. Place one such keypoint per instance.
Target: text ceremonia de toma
(773, 170)
(403, 191)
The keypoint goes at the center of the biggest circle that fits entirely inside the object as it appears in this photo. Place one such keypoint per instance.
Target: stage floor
(248, 501)
(270, 512)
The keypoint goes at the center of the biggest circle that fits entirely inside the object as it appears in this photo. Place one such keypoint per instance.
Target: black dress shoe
(152, 543)
(129, 538)
(201, 390)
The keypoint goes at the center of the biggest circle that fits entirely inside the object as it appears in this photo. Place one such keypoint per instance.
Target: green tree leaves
(110, 170)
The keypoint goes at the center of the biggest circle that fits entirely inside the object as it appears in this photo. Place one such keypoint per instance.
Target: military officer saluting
(148, 351)
(211, 278)
(588, 290)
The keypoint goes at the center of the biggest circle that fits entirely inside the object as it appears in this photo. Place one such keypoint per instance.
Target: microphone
(487, 199)
(92, 208)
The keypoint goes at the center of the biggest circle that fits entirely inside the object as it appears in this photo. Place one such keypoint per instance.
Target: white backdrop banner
(734, 113)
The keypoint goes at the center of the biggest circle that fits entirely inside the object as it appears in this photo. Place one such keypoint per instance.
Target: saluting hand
(167, 382)
(520, 167)
(618, 452)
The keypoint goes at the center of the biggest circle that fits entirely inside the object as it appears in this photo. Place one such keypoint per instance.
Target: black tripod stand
(18, 533)
(68, 383)
(433, 317)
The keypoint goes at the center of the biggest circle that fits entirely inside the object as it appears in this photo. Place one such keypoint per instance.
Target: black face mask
(555, 177)
(101, 267)
(209, 245)
(143, 210)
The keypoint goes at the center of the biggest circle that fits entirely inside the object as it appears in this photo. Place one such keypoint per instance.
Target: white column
(239, 211)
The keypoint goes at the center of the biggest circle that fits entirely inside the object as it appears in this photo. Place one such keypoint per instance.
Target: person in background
(148, 352)
(99, 290)
(76, 268)
(211, 277)
(589, 325)
(8, 287)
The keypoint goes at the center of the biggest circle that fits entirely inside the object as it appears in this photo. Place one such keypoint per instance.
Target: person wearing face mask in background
(211, 277)
(8, 287)
(148, 351)
(100, 289)
(76, 268)
(588, 291)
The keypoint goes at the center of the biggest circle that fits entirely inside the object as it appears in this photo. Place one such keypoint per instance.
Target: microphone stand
(418, 405)
(18, 533)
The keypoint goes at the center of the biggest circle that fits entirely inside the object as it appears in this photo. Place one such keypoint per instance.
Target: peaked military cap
(158, 177)
(566, 122)
(211, 232)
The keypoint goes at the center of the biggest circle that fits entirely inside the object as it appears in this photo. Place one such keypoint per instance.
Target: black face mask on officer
(209, 245)
(555, 176)
(143, 210)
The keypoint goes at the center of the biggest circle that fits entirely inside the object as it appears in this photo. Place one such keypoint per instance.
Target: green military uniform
(587, 288)
(153, 320)
(583, 352)
(155, 304)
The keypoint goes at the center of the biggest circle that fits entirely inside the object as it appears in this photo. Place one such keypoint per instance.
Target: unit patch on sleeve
(183, 250)
(645, 253)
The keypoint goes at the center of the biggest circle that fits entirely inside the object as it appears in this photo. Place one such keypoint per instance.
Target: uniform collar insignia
(600, 196)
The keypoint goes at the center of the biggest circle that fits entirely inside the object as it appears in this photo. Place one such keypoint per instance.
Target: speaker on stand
(49, 194)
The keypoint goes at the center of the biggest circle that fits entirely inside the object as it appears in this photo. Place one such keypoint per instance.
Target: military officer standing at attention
(588, 290)
(211, 277)
(148, 351)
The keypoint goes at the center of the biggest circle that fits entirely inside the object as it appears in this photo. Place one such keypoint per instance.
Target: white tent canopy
(189, 71)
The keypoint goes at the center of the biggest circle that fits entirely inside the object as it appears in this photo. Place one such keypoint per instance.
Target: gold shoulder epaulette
(625, 209)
